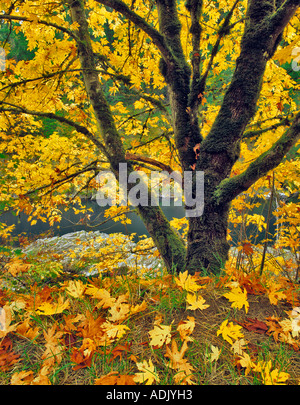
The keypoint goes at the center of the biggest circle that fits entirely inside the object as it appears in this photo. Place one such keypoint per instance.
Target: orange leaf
(7, 356)
(247, 248)
(121, 350)
(22, 378)
(175, 356)
(83, 356)
(274, 327)
(54, 348)
(114, 378)
(177, 362)
(17, 266)
(24, 329)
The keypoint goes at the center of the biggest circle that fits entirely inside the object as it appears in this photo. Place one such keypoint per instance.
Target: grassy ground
(125, 329)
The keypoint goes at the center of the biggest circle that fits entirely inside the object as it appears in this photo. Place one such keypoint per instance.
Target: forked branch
(232, 187)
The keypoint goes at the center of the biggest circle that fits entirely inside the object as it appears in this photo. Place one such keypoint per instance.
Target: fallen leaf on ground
(114, 378)
(159, 335)
(53, 308)
(254, 325)
(147, 373)
(196, 302)
(185, 328)
(7, 356)
(238, 298)
(187, 282)
(230, 331)
(215, 353)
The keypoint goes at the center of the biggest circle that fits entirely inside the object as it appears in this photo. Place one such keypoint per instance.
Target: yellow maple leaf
(22, 378)
(47, 308)
(114, 331)
(177, 362)
(147, 373)
(160, 334)
(138, 308)
(274, 377)
(215, 353)
(187, 282)
(246, 362)
(239, 346)
(105, 300)
(119, 309)
(5, 321)
(230, 331)
(275, 295)
(277, 377)
(196, 302)
(238, 298)
(185, 328)
(75, 288)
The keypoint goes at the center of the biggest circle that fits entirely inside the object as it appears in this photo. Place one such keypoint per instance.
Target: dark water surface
(71, 222)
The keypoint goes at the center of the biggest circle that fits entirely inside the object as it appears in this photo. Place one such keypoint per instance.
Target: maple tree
(192, 86)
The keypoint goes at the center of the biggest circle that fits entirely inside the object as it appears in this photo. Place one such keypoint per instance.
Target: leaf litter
(135, 330)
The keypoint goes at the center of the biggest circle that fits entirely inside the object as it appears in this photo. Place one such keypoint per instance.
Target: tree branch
(156, 163)
(49, 24)
(79, 128)
(225, 28)
(146, 159)
(156, 37)
(195, 9)
(284, 14)
(269, 160)
(57, 183)
(46, 76)
(260, 38)
(255, 133)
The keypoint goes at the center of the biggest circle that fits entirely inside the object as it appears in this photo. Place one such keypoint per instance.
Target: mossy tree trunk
(216, 154)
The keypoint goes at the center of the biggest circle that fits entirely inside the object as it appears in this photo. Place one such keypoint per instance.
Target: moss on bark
(207, 241)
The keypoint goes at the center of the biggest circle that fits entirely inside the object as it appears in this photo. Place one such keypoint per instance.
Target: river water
(72, 222)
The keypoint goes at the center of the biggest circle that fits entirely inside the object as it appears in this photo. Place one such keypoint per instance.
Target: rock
(71, 248)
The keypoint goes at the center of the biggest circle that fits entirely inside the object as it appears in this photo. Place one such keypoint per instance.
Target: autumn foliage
(164, 85)
(140, 330)
(187, 86)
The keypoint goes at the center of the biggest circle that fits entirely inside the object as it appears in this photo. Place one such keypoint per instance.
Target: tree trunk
(207, 241)
(168, 242)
